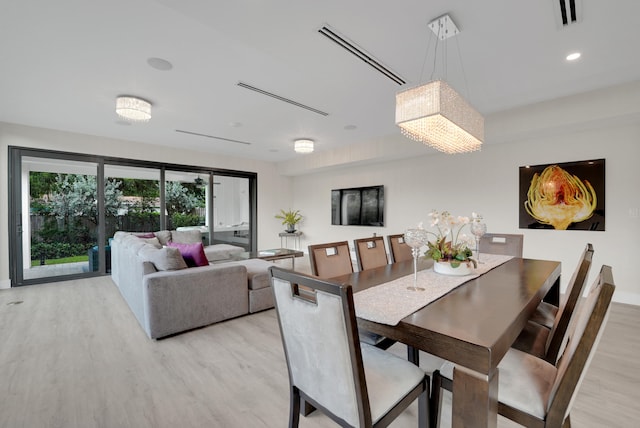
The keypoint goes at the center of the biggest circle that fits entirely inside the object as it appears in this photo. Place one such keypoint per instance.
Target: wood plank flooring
(73, 355)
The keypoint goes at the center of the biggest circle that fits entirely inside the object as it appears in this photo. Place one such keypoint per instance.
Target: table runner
(390, 302)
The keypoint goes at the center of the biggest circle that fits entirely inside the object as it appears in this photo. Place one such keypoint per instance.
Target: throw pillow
(193, 254)
(153, 241)
(186, 236)
(163, 259)
(163, 236)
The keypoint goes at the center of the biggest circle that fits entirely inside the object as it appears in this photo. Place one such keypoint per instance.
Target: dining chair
(534, 392)
(546, 342)
(370, 252)
(330, 259)
(334, 259)
(355, 384)
(399, 251)
(502, 243)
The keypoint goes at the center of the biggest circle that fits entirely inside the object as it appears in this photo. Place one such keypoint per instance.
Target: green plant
(289, 218)
(449, 245)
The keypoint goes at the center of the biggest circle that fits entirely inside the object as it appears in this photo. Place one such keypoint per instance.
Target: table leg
(553, 295)
(475, 399)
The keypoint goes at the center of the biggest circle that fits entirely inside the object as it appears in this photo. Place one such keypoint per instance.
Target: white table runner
(390, 302)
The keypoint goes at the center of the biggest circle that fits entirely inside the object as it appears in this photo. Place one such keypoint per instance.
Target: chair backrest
(330, 260)
(502, 243)
(557, 336)
(583, 340)
(320, 338)
(399, 251)
(370, 252)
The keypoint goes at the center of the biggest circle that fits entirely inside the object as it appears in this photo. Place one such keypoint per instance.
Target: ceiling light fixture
(435, 114)
(573, 56)
(133, 109)
(303, 146)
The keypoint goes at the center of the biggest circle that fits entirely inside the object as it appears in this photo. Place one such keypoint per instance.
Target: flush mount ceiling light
(303, 146)
(435, 114)
(573, 56)
(133, 109)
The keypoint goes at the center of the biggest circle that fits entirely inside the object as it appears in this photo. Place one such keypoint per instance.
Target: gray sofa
(167, 297)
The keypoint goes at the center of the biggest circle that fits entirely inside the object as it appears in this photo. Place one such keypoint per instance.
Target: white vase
(445, 268)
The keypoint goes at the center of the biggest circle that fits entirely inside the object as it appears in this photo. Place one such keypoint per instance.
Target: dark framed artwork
(563, 196)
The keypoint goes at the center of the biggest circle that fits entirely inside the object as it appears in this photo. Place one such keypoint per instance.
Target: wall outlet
(634, 212)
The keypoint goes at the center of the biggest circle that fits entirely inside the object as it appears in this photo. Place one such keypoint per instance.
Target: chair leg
(307, 408)
(424, 418)
(413, 355)
(294, 407)
(567, 422)
(436, 398)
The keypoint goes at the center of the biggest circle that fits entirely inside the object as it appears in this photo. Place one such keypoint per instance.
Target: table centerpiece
(450, 249)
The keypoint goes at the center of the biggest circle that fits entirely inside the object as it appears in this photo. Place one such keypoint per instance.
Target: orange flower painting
(563, 196)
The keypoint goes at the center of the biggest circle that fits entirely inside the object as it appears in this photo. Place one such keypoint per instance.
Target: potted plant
(450, 249)
(290, 218)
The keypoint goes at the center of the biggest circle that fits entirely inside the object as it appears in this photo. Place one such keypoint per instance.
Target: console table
(284, 239)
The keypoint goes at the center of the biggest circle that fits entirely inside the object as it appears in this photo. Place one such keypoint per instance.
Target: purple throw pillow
(193, 254)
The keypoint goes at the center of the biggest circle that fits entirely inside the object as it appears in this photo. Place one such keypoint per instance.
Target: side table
(284, 239)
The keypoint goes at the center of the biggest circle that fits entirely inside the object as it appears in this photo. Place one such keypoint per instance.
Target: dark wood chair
(353, 383)
(542, 342)
(330, 260)
(502, 243)
(334, 259)
(370, 252)
(399, 251)
(534, 392)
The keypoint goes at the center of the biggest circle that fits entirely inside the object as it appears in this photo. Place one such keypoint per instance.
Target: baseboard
(625, 297)
(5, 284)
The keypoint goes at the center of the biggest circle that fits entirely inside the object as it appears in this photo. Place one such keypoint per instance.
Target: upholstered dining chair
(534, 392)
(355, 384)
(399, 251)
(330, 260)
(546, 342)
(370, 252)
(502, 243)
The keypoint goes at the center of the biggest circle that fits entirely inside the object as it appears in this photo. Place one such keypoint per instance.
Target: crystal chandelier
(303, 146)
(435, 114)
(133, 109)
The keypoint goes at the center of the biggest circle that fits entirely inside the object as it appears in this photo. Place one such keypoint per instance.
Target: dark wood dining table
(472, 326)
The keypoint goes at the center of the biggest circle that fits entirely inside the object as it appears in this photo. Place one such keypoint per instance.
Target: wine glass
(478, 229)
(415, 238)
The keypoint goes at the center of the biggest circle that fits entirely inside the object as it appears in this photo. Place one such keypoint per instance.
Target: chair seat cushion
(545, 314)
(525, 382)
(389, 378)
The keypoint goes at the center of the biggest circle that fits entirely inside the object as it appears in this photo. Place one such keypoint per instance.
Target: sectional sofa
(167, 296)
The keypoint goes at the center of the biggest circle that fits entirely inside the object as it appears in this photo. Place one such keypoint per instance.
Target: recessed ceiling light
(573, 56)
(160, 64)
(235, 124)
(350, 127)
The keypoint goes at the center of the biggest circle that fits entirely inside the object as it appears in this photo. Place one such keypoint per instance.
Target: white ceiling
(64, 62)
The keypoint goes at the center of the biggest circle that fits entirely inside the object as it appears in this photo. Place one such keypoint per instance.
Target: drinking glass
(415, 238)
(478, 229)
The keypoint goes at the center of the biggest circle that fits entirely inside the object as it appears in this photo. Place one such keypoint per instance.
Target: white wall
(274, 190)
(487, 182)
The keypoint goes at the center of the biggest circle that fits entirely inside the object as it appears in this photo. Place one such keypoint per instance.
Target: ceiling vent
(278, 97)
(360, 53)
(567, 12)
(212, 136)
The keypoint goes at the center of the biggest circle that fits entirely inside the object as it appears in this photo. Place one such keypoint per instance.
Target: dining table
(473, 325)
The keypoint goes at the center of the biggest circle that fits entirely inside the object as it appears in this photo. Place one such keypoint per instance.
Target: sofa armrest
(175, 301)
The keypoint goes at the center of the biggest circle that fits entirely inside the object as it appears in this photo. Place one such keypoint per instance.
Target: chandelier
(303, 146)
(133, 109)
(435, 114)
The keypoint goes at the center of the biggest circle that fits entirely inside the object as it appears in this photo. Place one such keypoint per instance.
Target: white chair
(534, 392)
(356, 385)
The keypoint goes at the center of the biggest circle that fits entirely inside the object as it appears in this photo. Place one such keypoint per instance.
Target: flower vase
(445, 268)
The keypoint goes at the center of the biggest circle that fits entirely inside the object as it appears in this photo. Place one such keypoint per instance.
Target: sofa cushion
(193, 254)
(144, 235)
(167, 258)
(163, 236)
(186, 236)
(153, 241)
(219, 252)
(257, 273)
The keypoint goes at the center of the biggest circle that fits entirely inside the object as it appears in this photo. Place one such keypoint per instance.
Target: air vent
(212, 136)
(360, 53)
(278, 97)
(567, 12)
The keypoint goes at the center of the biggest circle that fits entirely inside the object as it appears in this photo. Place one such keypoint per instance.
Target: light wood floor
(72, 355)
